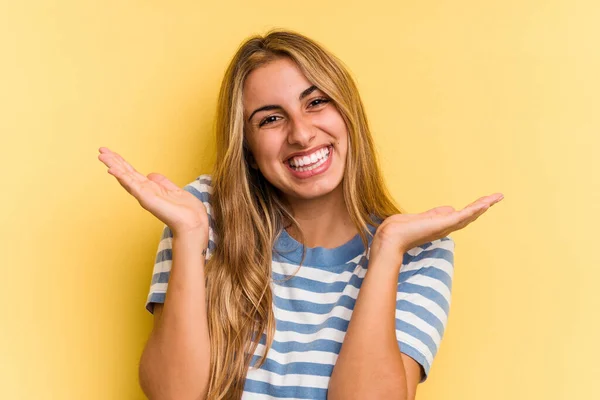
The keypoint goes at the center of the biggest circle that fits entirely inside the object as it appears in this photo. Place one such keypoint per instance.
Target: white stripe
(164, 244)
(420, 324)
(432, 283)
(323, 357)
(315, 273)
(436, 244)
(260, 396)
(301, 380)
(202, 187)
(319, 298)
(159, 287)
(162, 266)
(323, 334)
(439, 263)
(308, 318)
(428, 304)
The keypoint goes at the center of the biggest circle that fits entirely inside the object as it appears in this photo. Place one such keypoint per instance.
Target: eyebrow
(305, 93)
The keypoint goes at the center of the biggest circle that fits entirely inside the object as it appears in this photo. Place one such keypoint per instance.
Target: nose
(301, 132)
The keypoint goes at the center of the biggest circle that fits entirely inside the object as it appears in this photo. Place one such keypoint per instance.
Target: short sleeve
(202, 189)
(423, 300)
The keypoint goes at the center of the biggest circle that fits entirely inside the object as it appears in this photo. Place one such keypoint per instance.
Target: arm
(175, 362)
(370, 365)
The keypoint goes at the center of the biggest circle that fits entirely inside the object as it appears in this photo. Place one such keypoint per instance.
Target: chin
(314, 190)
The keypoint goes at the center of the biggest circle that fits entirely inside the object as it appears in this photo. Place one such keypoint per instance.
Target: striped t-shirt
(313, 308)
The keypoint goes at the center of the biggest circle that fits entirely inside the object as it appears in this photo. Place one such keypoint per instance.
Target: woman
(264, 258)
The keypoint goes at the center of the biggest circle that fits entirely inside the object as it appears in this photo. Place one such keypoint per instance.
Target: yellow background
(465, 98)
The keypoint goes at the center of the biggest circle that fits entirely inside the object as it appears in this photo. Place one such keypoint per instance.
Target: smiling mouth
(309, 163)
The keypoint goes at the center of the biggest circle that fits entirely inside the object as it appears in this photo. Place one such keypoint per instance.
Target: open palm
(401, 232)
(178, 209)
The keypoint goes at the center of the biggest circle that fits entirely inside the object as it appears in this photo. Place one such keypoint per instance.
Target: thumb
(162, 181)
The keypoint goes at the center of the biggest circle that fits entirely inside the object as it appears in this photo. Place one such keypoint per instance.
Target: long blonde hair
(249, 213)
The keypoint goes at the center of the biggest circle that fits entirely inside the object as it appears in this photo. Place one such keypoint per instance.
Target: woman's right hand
(180, 210)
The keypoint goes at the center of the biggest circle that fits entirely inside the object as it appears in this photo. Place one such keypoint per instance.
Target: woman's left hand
(401, 232)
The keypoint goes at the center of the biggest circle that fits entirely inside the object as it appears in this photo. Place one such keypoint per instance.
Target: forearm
(175, 363)
(370, 365)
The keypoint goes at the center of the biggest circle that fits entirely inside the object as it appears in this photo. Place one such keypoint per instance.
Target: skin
(299, 125)
(318, 205)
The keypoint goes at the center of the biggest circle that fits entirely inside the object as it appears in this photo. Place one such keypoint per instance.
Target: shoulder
(440, 248)
(435, 259)
(201, 187)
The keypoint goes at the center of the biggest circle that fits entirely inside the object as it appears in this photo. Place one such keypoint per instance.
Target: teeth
(306, 160)
(298, 163)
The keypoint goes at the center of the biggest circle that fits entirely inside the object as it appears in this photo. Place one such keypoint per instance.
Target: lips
(321, 169)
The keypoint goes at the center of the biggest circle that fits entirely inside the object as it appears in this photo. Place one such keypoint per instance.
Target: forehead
(277, 81)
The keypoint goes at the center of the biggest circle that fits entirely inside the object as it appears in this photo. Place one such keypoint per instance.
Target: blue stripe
(436, 252)
(300, 368)
(166, 233)
(298, 282)
(315, 308)
(154, 297)
(202, 196)
(427, 292)
(205, 180)
(164, 255)
(326, 345)
(167, 254)
(161, 277)
(417, 333)
(432, 272)
(331, 322)
(289, 248)
(421, 312)
(349, 266)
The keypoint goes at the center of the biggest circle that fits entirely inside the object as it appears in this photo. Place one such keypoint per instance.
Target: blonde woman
(291, 273)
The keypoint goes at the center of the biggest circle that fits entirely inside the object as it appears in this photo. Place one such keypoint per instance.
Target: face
(295, 133)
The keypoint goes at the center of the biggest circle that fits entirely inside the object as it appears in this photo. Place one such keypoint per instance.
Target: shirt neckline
(290, 249)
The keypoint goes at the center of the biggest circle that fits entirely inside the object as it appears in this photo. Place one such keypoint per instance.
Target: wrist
(386, 260)
(198, 235)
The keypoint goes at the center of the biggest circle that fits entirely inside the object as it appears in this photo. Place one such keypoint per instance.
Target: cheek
(266, 153)
(338, 126)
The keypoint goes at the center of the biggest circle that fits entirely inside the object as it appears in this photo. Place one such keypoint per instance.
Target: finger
(459, 219)
(125, 179)
(466, 221)
(119, 167)
(130, 180)
(491, 200)
(163, 181)
(119, 159)
(113, 159)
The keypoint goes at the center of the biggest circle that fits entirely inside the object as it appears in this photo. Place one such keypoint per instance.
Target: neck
(325, 221)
